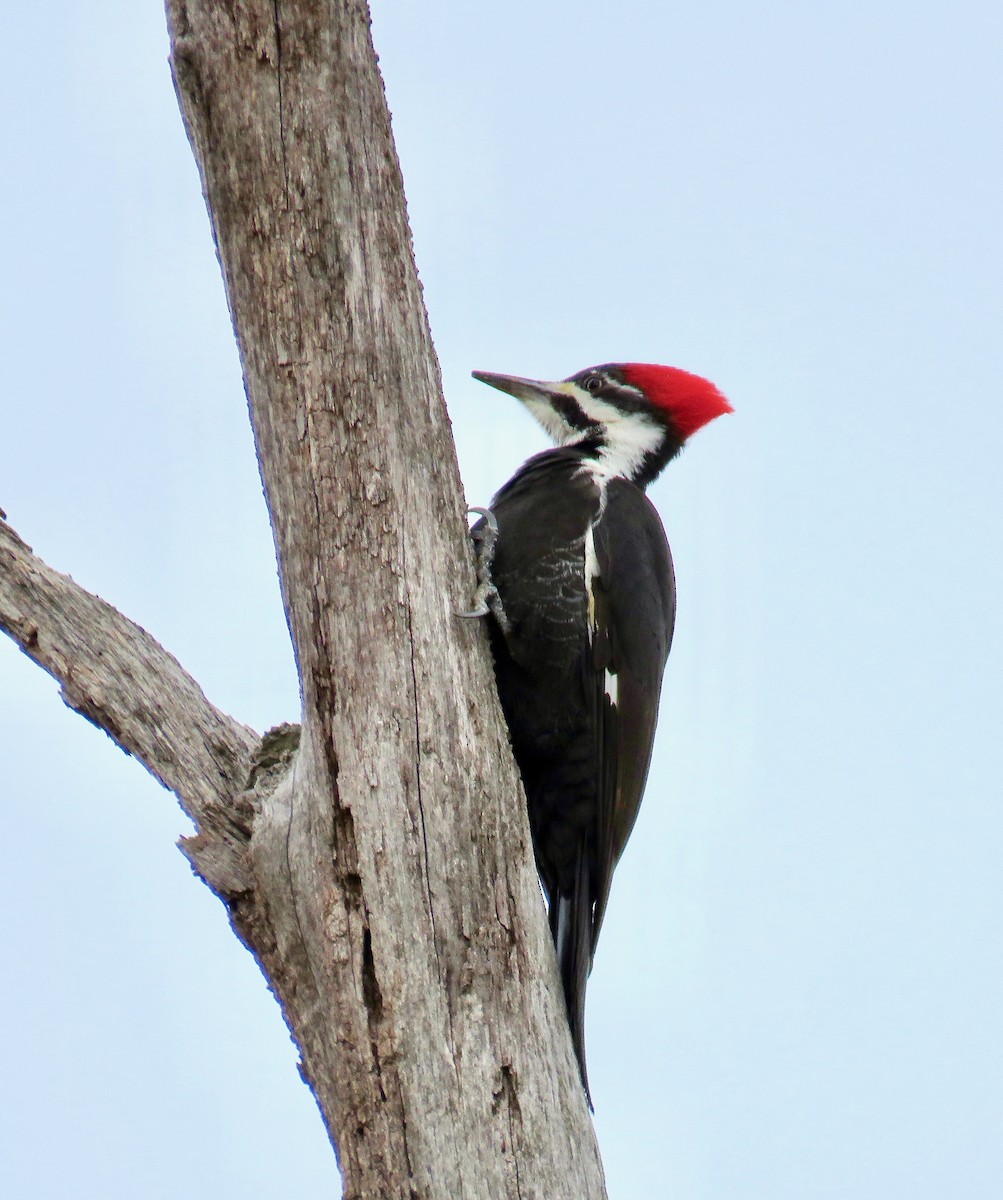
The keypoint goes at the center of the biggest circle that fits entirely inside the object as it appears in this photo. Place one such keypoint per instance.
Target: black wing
(633, 615)
(579, 673)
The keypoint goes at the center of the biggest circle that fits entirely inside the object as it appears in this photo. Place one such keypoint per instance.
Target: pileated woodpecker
(576, 573)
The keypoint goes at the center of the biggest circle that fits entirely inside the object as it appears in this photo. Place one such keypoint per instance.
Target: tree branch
(116, 675)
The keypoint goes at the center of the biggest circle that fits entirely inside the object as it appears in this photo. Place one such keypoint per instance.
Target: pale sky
(797, 995)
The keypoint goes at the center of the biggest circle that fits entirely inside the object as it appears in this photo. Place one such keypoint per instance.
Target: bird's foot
(486, 598)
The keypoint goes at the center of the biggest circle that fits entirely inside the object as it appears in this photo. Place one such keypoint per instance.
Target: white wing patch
(591, 565)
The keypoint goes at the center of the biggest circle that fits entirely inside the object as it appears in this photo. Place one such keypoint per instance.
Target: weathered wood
(117, 676)
(410, 950)
(379, 864)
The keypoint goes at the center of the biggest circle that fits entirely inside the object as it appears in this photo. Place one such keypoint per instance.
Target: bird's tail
(571, 927)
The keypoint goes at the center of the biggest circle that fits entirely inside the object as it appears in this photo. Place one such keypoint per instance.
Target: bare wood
(378, 865)
(117, 676)
(433, 1029)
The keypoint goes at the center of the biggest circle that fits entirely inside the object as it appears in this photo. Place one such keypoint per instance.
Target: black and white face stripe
(628, 433)
(608, 383)
(570, 412)
(619, 432)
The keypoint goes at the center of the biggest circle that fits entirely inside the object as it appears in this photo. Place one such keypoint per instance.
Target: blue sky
(797, 994)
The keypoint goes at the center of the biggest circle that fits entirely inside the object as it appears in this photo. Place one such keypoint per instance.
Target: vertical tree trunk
(388, 890)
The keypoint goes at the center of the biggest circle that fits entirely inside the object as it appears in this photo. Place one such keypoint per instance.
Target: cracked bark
(377, 860)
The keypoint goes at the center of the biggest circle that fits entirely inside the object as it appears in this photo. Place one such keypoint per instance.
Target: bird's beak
(526, 390)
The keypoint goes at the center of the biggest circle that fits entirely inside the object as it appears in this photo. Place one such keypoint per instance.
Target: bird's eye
(593, 383)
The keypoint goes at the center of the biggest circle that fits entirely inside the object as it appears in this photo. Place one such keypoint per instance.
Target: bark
(377, 862)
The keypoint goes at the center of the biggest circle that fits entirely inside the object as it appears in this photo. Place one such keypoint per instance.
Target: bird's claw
(491, 521)
(482, 609)
(487, 602)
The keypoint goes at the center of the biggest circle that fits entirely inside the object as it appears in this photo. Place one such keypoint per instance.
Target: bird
(577, 582)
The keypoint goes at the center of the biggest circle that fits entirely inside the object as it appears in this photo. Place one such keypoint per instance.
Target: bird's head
(631, 418)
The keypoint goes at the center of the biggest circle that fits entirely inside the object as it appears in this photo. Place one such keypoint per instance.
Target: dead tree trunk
(378, 863)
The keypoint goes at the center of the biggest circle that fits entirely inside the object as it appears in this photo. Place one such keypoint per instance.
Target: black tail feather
(571, 928)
